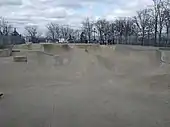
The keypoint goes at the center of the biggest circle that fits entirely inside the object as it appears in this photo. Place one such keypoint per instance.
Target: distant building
(15, 33)
(7, 38)
(36, 39)
(16, 38)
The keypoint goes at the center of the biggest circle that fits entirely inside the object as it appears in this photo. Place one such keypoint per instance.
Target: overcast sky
(39, 12)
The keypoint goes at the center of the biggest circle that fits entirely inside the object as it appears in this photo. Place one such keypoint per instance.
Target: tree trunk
(89, 38)
(160, 38)
(143, 35)
(156, 27)
(120, 39)
(100, 34)
(167, 35)
(105, 38)
(53, 37)
(160, 35)
(136, 39)
(148, 37)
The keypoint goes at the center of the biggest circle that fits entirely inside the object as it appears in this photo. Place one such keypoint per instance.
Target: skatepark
(83, 85)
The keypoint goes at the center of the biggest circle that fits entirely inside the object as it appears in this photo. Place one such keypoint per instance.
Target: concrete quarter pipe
(85, 86)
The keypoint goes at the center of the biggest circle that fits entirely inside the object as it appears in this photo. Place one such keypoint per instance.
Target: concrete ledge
(5, 52)
(20, 59)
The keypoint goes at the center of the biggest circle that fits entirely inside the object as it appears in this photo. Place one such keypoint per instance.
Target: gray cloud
(40, 12)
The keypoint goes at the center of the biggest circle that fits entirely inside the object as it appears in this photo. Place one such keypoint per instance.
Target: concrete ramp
(129, 60)
(151, 53)
(119, 58)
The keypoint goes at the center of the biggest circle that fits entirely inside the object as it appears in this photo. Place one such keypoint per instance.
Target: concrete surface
(104, 87)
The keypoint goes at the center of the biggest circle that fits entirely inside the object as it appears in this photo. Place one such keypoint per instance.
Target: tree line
(150, 26)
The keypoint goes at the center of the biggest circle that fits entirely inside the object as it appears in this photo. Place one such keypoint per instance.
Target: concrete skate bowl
(129, 60)
(120, 59)
(153, 54)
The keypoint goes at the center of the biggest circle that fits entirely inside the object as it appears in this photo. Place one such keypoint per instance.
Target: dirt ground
(85, 87)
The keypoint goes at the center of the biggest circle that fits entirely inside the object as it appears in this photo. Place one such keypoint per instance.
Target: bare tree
(106, 31)
(166, 14)
(53, 31)
(103, 28)
(136, 32)
(155, 13)
(128, 28)
(83, 37)
(88, 28)
(112, 33)
(149, 30)
(142, 21)
(76, 34)
(66, 32)
(119, 27)
(5, 27)
(167, 23)
(31, 31)
(100, 26)
(161, 17)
